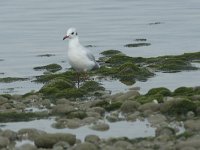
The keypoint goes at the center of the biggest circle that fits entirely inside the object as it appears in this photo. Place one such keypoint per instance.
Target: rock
(63, 101)
(123, 144)
(149, 106)
(112, 118)
(133, 116)
(48, 140)
(73, 123)
(4, 142)
(89, 120)
(30, 133)
(165, 131)
(61, 145)
(157, 120)
(26, 147)
(62, 109)
(99, 110)
(190, 115)
(3, 100)
(100, 126)
(107, 147)
(92, 139)
(190, 142)
(129, 106)
(11, 135)
(86, 146)
(93, 114)
(192, 125)
(127, 95)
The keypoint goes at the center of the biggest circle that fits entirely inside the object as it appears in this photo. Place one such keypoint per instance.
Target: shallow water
(118, 129)
(35, 27)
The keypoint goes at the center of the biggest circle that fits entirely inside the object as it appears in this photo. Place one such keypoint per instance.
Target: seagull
(80, 58)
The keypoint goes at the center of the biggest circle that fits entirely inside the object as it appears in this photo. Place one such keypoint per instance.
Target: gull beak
(65, 37)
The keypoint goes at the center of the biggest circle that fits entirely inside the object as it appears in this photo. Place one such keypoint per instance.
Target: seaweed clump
(50, 67)
(122, 67)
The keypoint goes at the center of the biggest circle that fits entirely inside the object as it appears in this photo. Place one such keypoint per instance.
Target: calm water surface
(33, 27)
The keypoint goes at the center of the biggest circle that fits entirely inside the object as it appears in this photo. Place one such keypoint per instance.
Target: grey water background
(29, 28)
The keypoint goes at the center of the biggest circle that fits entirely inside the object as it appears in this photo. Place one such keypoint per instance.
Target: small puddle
(117, 129)
(22, 142)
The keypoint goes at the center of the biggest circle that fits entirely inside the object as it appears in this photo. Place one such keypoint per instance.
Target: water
(133, 129)
(35, 27)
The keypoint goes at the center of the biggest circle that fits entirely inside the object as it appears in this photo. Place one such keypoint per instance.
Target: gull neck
(74, 42)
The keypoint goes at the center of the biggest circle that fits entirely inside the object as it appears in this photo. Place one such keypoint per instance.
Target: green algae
(161, 90)
(16, 116)
(77, 114)
(68, 75)
(186, 91)
(63, 88)
(50, 67)
(12, 79)
(111, 52)
(137, 44)
(149, 98)
(170, 63)
(46, 55)
(180, 107)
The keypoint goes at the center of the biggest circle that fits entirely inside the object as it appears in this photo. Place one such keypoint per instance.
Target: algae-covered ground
(92, 106)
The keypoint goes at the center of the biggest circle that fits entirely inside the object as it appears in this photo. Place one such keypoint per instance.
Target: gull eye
(72, 33)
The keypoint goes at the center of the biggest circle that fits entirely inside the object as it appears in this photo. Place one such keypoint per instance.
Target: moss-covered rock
(179, 107)
(48, 140)
(61, 87)
(111, 52)
(150, 98)
(161, 90)
(68, 75)
(50, 67)
(13, 116)
(186, 91)
(12, 79)
(137, 44)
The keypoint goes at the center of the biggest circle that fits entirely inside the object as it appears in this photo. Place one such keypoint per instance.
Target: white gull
(80, 58)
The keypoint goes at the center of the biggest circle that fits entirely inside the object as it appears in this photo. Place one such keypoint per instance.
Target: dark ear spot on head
(76, 33)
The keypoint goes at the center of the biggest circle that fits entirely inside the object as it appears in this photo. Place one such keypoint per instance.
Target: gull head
(71, 33)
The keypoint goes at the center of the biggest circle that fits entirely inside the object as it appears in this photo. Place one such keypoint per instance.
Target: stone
(4, 142)
(92, 139)
(123, 144)
(73, 123)
(61, 145)
(30, 133)
(99, 110)
(192, 125)
(127, 95)
(3, 100)
(89, 120)
(165, 131)
(149, 106)
(100, 126)
(26, 147)
(112, 118)
(62, 109)
(11, 135)
(129, 106)
(86, 146)
(133, 117)
(190, 115)
(157, 120)
(48, 140)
